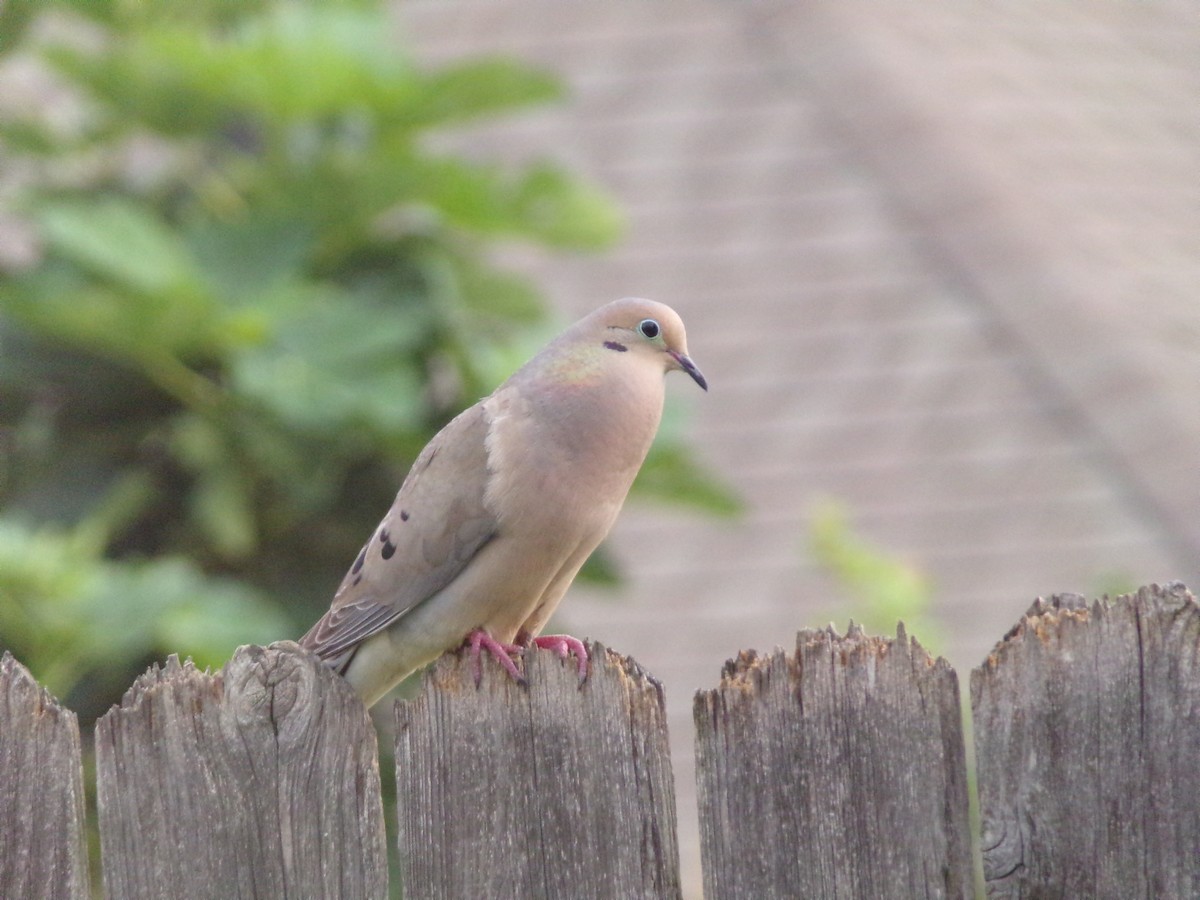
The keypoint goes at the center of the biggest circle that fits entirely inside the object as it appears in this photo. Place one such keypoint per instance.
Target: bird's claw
(565, 646)
(503, 653)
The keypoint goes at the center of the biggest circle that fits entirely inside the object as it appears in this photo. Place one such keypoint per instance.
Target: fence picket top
(22, 691)
(278, 688)
(1052, 623)
(42, 847)
(751, 673)
(552, 788)
(167, 679)
(1087, 722)
(21, 695)
(235, 783)
(454, 673)
(1045, 619)
(837, 770)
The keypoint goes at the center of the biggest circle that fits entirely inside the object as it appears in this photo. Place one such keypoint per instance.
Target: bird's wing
(437, 524)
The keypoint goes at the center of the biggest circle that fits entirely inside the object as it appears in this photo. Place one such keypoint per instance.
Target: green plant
(880, 588)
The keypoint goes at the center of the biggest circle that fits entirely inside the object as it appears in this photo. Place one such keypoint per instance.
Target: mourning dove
(505, 504)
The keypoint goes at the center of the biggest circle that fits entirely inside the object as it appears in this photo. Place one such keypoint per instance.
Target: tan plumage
(507, 501)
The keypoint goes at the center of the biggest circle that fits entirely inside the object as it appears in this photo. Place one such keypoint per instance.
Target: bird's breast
(566, 462)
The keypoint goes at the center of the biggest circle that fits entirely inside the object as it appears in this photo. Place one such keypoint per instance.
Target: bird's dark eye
(648, 328)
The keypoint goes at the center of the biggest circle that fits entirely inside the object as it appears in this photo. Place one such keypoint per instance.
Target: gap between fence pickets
(845, 756)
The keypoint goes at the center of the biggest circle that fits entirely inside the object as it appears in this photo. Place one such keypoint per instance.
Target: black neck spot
(613, 345)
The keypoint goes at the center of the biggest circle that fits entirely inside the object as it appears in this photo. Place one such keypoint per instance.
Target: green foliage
(671, 475)
(882, 589)
(259, 287)
(73, 611)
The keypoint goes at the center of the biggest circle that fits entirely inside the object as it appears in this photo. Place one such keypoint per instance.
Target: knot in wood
(270, 686)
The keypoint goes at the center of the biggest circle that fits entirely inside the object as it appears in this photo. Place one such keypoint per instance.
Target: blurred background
(939, 263)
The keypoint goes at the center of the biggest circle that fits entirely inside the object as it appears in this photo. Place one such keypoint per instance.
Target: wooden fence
(835, 771)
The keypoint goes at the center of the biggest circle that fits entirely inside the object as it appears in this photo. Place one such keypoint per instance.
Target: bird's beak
(685, 363)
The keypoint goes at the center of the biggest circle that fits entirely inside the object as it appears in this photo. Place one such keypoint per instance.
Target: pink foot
(565, 645)
(502, 653)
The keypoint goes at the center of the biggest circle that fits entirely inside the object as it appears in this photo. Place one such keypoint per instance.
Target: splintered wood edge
(248, 661)
(633, 676)
(856, 644)
(1047, 617)
(162, 677)
(751, 671)
(13, 674)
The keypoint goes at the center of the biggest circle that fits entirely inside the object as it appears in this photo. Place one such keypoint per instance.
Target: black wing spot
(614, 345)
(403, 515)
(384, 537)
(358, 563)
(389, 549)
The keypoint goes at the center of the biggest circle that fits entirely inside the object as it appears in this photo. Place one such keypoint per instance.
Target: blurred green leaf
(564, 211)
(15, 16)
(334, 362)
(64, 610)
(479, 87)
(222, 507)
(119, 241)
(184, 611)
(670, 475)
(488, 293)
(241, 259)
(24, 137)
(541, 202)
(600, 569)
(883, 589)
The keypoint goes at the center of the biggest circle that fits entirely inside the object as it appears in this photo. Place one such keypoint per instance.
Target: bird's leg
(480, 639)
(562, 644)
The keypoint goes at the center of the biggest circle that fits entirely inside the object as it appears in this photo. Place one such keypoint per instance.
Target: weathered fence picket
(262, 781)
(42, 849)
(1087, 735)
(834, 771)
(559, 789)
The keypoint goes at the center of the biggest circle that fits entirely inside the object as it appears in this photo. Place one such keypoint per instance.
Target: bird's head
(649, 329)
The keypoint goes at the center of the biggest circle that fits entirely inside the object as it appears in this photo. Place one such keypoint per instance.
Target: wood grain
(262, 781)
(1087, 733)
(42, 848)
(835, 772)
(558, 789)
